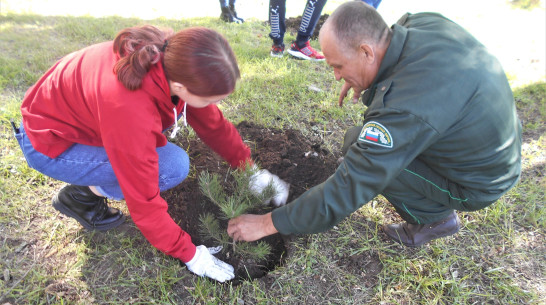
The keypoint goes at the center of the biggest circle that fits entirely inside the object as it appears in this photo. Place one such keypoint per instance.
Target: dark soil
(288, 154)
(293, 25)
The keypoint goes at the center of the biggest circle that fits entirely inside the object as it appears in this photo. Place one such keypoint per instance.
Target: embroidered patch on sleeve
(375, 133)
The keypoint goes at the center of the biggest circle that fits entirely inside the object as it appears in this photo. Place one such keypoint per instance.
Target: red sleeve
(130, 136)
(219, 134)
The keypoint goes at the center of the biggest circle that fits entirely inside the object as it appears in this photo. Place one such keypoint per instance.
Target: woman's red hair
(199, 58)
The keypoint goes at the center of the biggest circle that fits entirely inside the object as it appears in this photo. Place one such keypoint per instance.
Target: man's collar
(394, 50)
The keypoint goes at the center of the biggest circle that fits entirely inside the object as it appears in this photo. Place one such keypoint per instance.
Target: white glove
(204, 264)
(262, 178)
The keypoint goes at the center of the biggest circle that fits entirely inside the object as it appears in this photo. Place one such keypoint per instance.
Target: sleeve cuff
(281, 220)
(189, 254)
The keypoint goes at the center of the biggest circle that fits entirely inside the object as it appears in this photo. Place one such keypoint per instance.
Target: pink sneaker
(307, 52)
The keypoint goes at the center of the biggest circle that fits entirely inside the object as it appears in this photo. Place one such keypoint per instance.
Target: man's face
(354, 66)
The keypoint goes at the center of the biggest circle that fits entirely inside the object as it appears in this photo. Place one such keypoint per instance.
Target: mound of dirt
(293, 25)
(296, 159)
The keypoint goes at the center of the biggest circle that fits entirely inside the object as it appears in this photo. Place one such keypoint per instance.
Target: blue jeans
(225, 3)
(374, 3)
(89, 166)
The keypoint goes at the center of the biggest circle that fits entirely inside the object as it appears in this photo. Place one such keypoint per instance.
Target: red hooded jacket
(80, 100)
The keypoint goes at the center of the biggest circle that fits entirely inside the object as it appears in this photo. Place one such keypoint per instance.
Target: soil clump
(293, 25)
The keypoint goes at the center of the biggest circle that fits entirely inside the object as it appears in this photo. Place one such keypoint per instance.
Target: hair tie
(164, 46)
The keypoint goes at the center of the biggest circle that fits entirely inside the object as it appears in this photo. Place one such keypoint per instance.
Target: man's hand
(251, 227)
(262, 178)
(345, 89)
(204, 264)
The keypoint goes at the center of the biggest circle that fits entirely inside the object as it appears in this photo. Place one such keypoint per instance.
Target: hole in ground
(296, 159)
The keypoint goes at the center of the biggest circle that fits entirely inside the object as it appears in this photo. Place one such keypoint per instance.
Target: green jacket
(439, 96)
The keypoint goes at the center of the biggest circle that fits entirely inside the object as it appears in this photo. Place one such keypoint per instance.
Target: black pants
(277, 15)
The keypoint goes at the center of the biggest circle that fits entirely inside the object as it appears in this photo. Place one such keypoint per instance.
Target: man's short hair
(356, 22)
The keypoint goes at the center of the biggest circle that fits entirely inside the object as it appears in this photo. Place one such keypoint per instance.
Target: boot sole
(66, 211)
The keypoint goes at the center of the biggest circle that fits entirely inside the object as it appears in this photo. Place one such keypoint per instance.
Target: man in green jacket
(440, 131)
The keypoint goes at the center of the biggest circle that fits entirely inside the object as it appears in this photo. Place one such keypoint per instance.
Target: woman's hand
(204, 263)
(261, 179)
(250, 227)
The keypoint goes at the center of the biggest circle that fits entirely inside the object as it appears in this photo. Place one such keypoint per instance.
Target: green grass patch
(46, 258)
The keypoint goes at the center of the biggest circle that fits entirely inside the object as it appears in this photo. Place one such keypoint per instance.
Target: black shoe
(227, 15)
(90, 210)
(413, 235)
(234, 13)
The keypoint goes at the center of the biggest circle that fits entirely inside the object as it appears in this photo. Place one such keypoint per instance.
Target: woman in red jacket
(96, 120)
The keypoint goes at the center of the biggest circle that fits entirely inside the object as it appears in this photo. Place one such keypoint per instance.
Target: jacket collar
(391, 58)
(394, 51)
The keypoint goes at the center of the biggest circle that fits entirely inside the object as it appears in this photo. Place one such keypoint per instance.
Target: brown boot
(413, 235)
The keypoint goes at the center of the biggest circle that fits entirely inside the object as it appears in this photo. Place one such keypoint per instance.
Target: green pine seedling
(241, 201)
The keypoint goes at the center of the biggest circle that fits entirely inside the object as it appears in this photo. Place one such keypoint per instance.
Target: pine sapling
(241, 201)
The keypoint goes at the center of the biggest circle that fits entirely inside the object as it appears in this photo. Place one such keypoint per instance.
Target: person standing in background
(300, 47)
(228, 12)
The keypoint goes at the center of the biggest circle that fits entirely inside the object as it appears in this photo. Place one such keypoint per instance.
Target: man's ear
(367, 52)
(177, 88)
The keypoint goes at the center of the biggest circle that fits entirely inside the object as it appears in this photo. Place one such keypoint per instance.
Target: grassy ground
(497, 258)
